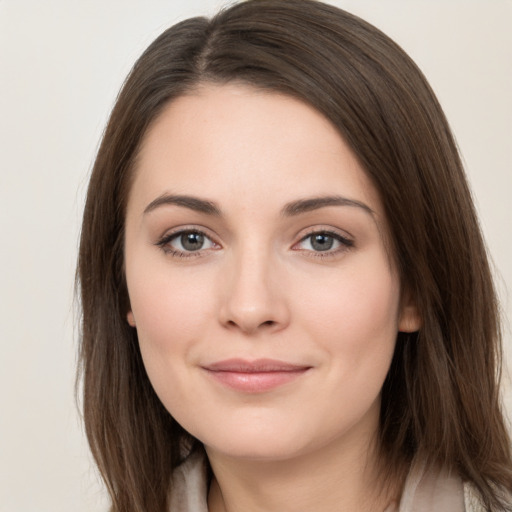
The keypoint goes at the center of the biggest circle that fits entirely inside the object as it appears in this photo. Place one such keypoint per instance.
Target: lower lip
(256, 382)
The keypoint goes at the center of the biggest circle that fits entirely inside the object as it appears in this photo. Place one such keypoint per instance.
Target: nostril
(267, 323)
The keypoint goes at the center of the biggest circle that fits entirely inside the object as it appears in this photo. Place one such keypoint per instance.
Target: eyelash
(163, 243)
(345, 243)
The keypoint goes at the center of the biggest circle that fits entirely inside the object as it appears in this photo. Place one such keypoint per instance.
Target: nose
(253, 296)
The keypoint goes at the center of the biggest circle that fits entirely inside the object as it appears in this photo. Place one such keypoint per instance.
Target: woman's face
(265, 302)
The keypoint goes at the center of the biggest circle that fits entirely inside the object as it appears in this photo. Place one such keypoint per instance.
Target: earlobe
(131, 319)
(410, 319)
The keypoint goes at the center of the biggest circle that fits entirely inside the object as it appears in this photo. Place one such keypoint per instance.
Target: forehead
(234, 142)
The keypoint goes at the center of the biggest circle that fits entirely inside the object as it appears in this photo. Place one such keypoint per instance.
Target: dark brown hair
(441, 397)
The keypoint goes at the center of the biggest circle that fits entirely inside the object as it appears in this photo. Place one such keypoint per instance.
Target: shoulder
(472, 502)
(433, 489)
(436, 489)
(188, 489)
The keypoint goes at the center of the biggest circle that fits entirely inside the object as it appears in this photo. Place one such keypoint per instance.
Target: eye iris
(192, 241)
(322, 242)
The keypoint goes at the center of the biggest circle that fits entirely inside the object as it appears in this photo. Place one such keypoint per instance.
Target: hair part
(432, 405)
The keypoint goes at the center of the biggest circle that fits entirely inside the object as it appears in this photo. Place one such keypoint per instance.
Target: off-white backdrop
(61, 65)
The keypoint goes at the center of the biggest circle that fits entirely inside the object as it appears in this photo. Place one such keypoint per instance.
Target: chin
(261, 442)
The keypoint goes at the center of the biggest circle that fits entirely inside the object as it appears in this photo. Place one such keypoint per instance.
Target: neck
(332, 479)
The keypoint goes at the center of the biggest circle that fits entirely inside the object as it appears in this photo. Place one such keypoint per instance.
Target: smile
(254, 376)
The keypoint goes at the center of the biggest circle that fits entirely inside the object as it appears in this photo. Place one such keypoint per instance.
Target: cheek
(367, 296)
(166, 302)
(354, 315)
(355, 323)
(170, 315)
(171, 310)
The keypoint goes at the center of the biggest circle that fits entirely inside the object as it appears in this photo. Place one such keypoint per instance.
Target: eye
(186, 242)
(324, 241)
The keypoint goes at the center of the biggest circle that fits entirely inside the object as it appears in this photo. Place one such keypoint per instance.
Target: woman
(286, 299)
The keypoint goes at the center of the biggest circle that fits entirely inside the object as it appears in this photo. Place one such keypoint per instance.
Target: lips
(256, 376)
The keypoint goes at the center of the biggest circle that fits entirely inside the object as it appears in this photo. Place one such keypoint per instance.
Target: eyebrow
(289, 210)
(190, 202)
(315, 203)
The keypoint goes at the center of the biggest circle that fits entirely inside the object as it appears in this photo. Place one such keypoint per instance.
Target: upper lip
(255, 366)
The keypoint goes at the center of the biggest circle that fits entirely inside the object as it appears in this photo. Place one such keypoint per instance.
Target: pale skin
(253, 233)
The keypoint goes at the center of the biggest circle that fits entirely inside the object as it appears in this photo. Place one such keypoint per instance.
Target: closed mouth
(256, 376)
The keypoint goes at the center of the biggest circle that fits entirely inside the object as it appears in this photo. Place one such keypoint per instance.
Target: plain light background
(61, 65)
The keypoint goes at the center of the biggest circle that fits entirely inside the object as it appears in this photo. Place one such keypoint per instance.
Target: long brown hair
(440, 400)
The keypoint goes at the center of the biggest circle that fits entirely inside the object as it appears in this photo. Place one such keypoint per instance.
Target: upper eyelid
(304, 233)
(173, 232)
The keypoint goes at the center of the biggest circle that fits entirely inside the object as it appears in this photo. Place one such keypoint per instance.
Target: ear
(410, 319)
(131, 319)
